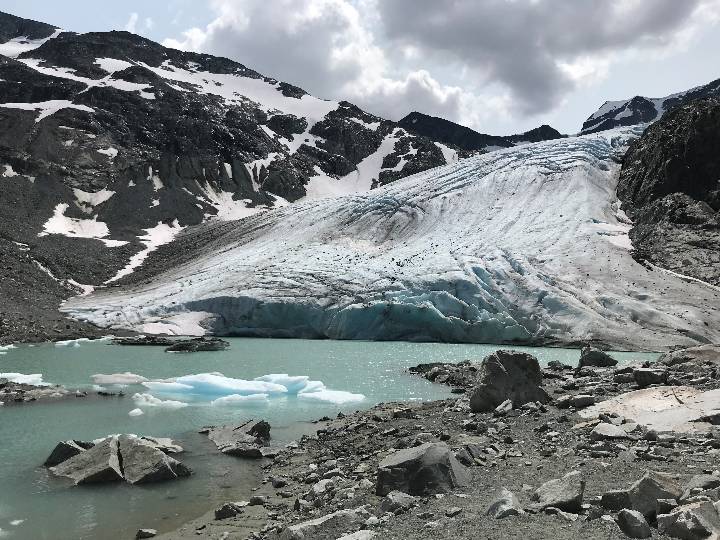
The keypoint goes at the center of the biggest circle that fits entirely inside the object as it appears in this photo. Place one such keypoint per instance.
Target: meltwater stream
(34, 505)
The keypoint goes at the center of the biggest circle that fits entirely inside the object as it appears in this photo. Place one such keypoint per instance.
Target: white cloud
(464, 60)
(131, 24)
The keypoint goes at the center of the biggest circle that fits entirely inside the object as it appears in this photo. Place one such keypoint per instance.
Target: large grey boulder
(694, 521)
(64, 450)
(428, 468)
(505, 504)
(240, 440)
(507, 375)
(644, 494)
(143, 463)
(592, 357)
(325, 527)
(564, 493)
(137, 460)
(397, 502)
(633, 524)
(605, 431)
(99, 464)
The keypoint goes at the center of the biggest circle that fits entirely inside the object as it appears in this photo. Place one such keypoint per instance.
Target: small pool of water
(35, 505)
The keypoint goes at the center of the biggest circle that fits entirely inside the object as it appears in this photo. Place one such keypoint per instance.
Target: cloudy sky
(498, 66)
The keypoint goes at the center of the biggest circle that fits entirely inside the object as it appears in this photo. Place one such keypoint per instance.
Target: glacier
(523, 245)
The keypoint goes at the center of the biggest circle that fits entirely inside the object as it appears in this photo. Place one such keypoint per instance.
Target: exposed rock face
(99, 464)
(65, 450)
(507, 375)
(469, 140)
(143, 464)
(428, 468)
(693, 521)
(644, 494)
(634, 524)
(669, 185)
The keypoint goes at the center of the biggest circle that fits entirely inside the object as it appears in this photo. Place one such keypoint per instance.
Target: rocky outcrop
(469, 140)
(201, 344)
(669, 187)
(136, 460)
(242, 440)
(428, 468)
(507, 375)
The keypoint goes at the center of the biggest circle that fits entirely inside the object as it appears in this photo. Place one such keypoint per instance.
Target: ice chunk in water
(237, 399)
(148, 400)
(136, 412)
(118, 378)
(338, 397)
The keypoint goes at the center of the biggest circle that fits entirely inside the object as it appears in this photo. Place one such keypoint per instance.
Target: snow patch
(59, 223)
(47, 108)
(16, 46)
(109, 152)
(153, 238)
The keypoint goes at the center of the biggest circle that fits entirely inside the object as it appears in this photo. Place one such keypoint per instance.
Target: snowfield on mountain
(524, 245)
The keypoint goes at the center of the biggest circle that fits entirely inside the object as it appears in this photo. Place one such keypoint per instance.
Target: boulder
(607, 431)
(701, 482)
(592, 357)
(64, 450)
(633, 524)
(616, 499)
(201, 344)
(145, 533)
(98, 464)
(564, 493)
(241, 440)
(428, 468)
(507, 375)
(323, 528)
(644, 377)
(143, 463)
(137, 460)
(505, 504)
(694, 521)
(644, 494)
(702, 355)
(229, 510)
(397, 502)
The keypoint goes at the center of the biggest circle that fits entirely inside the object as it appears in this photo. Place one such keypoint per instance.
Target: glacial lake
(35, 505)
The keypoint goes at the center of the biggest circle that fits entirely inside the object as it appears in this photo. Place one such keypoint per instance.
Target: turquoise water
(51, 508)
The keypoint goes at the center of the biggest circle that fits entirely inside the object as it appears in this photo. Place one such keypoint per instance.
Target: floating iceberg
(118, 378)
(221, 390)
(148, 400)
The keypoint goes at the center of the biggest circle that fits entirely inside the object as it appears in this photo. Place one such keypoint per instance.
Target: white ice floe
(223, 390)
(154, 237)
(506, 246)
(238, 399)
(148, 400)
(5, 348)
(47, 108)
(71, 342)
(21, 378)
(118, 378)
(136, 412)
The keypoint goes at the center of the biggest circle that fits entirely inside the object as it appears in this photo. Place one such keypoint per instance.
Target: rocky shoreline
(567, 465)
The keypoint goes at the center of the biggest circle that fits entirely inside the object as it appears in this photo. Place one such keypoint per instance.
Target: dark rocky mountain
(670, 186)
(639, 109)
(469, 140)
(111, 144)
